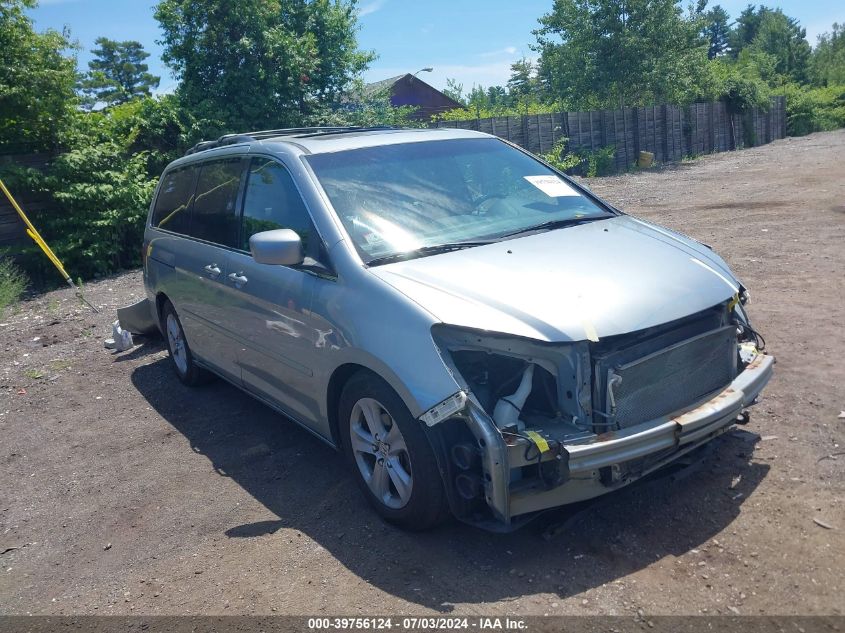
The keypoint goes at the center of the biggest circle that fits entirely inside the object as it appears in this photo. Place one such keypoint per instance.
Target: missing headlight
(496, 380)
(490, 367)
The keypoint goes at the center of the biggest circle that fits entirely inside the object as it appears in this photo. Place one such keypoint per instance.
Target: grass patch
(12, 284)
(34, 374)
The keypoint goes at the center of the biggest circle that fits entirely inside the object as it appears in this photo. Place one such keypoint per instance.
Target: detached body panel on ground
(543, 347)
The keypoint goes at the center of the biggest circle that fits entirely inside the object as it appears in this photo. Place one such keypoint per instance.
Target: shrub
(103, 196)
(585, 163)
(741, 85)
(601, 162)
(560, 159)
(484, 112)
(100, 192)
(814, 109)
(12, 284)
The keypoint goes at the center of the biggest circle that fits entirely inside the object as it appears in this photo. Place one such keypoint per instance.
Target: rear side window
(173, 205)
(214, 218)
(273, 202)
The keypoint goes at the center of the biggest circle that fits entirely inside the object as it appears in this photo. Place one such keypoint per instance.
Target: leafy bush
(561, 159)
(525, 107)
(586, 163)
(100, 193)
(741, 85)
(814, 109)
(600, 162)
(12, 284)
(103, 196)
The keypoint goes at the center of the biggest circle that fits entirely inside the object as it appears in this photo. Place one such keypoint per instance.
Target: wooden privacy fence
(670, 132)
(12, 229)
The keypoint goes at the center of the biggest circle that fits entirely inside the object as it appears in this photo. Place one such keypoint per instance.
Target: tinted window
(272, 202)
(214, 217)
(172, 209)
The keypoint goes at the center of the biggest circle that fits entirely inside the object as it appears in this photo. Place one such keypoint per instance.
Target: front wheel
(180, 354)
(391, 458)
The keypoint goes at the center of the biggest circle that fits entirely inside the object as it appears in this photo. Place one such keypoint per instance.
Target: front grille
(672, 378)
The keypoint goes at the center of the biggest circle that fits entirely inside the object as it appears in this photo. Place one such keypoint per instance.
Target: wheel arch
(161, 299)
(417, 401)
(340, 376)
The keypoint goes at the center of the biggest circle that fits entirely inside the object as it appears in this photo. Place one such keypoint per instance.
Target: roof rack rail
(246, 137)
(347, 130)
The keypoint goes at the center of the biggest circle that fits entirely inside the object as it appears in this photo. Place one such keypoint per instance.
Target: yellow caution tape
(539, 440)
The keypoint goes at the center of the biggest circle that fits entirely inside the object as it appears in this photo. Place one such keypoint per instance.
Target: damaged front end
(540, 424)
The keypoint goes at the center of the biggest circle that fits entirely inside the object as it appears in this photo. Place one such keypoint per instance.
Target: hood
(583, 282)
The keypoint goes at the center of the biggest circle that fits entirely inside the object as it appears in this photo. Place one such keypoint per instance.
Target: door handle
(238, 279)
(213, 270)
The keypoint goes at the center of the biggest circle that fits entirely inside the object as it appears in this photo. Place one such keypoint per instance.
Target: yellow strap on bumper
(539, 440)
(733, 302)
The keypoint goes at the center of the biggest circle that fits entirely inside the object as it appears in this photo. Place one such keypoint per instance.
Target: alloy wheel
(381, 453)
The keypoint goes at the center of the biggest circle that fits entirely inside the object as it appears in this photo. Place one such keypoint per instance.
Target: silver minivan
(477, 333)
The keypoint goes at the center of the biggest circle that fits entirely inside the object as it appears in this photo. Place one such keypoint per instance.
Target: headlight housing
(491, 367)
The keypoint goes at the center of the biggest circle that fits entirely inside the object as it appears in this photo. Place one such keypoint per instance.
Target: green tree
(477, 100)
(717, 30)
(118, 74)
(523, 81)
(785, 40)
(37, 78)
(498, 96)
(745, 28)
(770, 31)
(454, 90)
(600, 53)
(827, 67)
(261, 63)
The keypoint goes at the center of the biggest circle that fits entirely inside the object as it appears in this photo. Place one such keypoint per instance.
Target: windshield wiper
(422, 251)
(556, 224)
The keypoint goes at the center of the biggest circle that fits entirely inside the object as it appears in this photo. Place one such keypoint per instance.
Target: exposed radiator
(670, 379)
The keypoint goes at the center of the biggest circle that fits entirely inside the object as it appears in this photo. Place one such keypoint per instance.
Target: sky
(472, 41)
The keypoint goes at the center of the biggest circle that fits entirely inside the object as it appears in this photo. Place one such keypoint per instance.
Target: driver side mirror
(280, 247)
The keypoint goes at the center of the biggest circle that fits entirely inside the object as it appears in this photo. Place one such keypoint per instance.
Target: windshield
(414, 197)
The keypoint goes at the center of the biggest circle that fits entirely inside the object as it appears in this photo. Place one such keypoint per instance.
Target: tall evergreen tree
(785, 40)
(523, 81)
(118, 74)
(717, 31)
(745, 28)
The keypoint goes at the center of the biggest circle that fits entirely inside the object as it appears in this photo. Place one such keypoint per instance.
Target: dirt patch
(125, 492)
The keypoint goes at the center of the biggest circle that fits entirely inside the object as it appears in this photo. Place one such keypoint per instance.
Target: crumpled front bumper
(138, 318)
(656, 443)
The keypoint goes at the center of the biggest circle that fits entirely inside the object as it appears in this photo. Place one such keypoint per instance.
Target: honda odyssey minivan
(476, 332)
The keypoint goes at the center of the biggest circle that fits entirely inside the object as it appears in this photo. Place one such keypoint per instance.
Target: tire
(181, 357)
(397, 472)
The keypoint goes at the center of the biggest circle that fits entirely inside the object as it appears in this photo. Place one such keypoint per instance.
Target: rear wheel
(180, 354)
(391, 458)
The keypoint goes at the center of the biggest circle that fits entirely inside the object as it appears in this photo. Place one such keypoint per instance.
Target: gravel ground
(125, 492)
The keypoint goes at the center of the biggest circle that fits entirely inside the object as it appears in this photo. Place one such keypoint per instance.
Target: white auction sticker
(552, 186)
